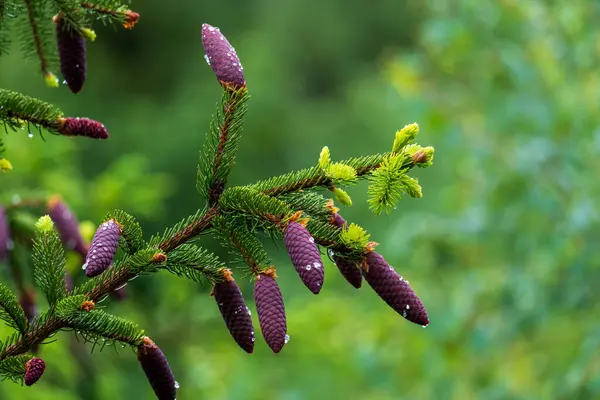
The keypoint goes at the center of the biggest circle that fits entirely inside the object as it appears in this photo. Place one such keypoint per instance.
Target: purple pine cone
(337, 220)
(157, 370)
(4, 235)
(34, 369)
(221, 56)
(72, 54)
(74, 126)
(305, 256)
(271, 312)
(349, 270)
(67, 225)
(103, 248)
(27, 302)
(235, 313)
(394, 290)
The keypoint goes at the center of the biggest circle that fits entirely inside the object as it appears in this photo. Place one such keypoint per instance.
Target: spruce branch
(36, 13)
(132, 239)
(112, 11)
(219, 151)
(195, 263)
(14, 368)
(49, 264)
(18, 110)
(243, 243)
(11, 311)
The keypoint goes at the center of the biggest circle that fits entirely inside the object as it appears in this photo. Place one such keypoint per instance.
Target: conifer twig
(36, 37)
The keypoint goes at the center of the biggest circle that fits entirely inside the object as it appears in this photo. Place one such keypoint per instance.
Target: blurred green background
(500, 249)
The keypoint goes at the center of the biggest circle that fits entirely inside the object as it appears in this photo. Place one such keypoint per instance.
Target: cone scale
(305, 256)
(271, 311)
(394, 290)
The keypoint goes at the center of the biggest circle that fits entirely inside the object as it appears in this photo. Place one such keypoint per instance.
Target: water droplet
(249, 312)
(308, 267)
(391, 268)
(64, 82)
(176, 385)
(404, 313)
(252, 338)
(312, 240)
(30, 135)
(330, 252)
(287, 338)
(207, 59)
(407, 307)
(84, 266)
(317, 265)
(210, 28)
(93, 257)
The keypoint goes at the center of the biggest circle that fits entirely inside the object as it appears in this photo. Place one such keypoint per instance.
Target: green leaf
(132, 239)
(49, 264)
(11, 311)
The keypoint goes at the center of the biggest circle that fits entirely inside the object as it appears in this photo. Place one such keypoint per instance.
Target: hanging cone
(271, 312)
(4, 235)
(103, 248)
(72, 54)
(394, 290)
(305, 256)
(157, 370)
(34, 369)
(67, 225)
(235, 312)
(222, 58)
(349, 270)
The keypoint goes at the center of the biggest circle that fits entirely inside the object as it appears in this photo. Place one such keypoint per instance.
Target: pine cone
(337, 220)
(67, 225)
(4, 235)
(103, 248)
(72, 54)
(27, 302)
(82, 127)
(34, 369)
(235, 313)
(305, 256)
(349, 270)
(222, 58)
(157, 370)
(271, 312)
(394, 290)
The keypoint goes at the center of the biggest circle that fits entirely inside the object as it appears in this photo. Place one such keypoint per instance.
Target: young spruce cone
(222, 58)
(72, 54)
(271, 312)
(103, 248)
(394, 290)
(235, 312)
(34, 369)
(4, 235)
(348, 269)
(305, 256)
(157, 370)
(82, 127)
(67, 225)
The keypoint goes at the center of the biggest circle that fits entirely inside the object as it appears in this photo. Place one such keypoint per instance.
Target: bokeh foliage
(500, 248)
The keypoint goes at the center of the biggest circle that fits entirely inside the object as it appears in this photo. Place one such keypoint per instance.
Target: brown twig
(36, 37)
